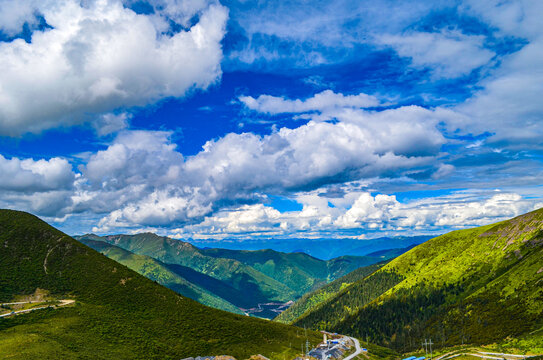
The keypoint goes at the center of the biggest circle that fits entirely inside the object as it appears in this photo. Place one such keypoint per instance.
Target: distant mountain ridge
(242, 278)
(477, 286)
(324, 249)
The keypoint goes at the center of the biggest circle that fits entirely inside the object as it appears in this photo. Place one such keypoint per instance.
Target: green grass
(480, 286)
(118, 313)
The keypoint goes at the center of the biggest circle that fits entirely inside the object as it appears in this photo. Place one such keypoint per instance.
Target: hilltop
(118, 314)
(477, 286)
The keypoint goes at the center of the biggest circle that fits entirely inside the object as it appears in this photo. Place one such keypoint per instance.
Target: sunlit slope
(119, 314)
(477, 286)
(162, 274)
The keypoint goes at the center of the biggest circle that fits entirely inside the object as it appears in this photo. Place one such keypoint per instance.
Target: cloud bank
(346, 160)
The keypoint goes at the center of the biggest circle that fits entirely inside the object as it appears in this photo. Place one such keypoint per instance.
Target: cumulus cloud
(110, 123)
(319, 102)
(446, 54)
(361, 212)
(41, 186)
(458, 210)
(100, 56)
(28, 175)
(141, 178)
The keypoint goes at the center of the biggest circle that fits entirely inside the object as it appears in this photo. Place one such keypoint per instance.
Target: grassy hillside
(247, 277)
(253, 286)
(171, 277)
(119, 314)
(478, 286)
(313, 299)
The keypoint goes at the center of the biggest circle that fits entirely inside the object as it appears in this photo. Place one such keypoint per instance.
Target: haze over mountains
(321, 248)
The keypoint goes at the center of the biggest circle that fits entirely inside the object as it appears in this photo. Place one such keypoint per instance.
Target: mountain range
(232, 280)
(480, 286)
(320, 248)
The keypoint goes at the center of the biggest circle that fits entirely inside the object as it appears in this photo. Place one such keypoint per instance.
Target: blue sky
(246, 119)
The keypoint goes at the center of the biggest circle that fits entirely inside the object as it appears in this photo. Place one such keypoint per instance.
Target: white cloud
(110, 123)
(447, 54)
(101, 57)
(28, 175)
(13, 15)
(41, 186)
(360, 212)
(142, 179)
(319, 102)
(316, 32)
(459, 210)
(509, 103)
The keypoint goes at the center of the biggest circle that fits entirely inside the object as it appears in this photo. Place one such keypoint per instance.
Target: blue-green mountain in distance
(324, 249)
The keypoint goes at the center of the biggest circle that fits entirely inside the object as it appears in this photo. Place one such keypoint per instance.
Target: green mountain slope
(118, 314)
(248, 277)
(253, 286)
(299, 271)
(476, 286)
(313, 299)
(170, 277)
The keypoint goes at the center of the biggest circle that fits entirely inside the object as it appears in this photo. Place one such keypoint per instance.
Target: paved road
(358, 349)
(62, 303)
(504, 355)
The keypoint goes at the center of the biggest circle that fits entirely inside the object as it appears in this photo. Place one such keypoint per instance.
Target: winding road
(62, 303)
(358, 349)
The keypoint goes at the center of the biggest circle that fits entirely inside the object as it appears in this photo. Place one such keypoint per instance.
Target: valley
(479, 286)
(239, 281)
(271, 180)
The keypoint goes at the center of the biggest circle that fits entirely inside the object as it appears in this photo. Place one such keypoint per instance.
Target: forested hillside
(312, 300)
(477, 286)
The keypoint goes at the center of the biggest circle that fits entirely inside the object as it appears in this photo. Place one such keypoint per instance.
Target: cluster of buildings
(332, 347)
